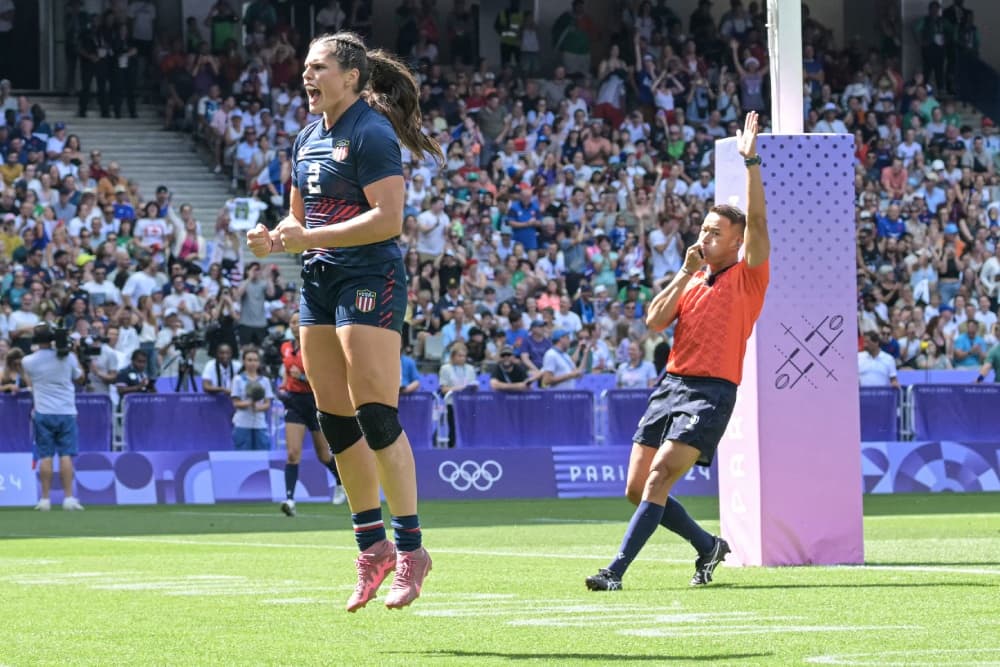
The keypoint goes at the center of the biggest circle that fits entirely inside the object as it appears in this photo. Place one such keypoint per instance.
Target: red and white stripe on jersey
(323, 211)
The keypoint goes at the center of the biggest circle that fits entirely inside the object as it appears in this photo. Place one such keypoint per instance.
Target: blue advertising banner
(186, 477)
(594, 472)
(917, 467)
(449, 474)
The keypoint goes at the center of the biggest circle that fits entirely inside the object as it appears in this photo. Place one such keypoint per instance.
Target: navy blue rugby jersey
(331, 169)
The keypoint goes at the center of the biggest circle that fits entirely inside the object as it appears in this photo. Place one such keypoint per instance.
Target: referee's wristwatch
(751, 161)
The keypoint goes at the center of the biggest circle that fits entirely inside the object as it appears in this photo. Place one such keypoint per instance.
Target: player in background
(716, 298)
(346, 211)
(300, 414)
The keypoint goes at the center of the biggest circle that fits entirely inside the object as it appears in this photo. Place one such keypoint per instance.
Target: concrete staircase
(154, 157)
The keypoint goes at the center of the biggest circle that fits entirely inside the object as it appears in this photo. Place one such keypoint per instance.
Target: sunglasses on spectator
(506, 354)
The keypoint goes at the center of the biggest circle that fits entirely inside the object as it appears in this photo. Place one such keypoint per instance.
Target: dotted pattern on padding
(809, 186)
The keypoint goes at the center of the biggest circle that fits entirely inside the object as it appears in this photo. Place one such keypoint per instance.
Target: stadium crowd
(568, 197)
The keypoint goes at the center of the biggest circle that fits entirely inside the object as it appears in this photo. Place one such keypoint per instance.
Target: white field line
(256, 515)
(493, 553)
(929, 568)
(546, 519)
(337, 547)
(718, 631)
(931, 659)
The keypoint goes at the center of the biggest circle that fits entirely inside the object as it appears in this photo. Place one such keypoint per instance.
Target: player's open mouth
(313, 94)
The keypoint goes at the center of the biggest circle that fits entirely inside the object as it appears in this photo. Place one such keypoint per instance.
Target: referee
(300, 414)
(50, 373)
(716, 298)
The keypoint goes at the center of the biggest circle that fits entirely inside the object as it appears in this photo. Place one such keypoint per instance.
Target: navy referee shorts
(692, 410)
(300, 408)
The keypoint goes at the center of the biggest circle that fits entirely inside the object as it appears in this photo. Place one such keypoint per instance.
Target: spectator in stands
(189, 245)
(509, 374)
(876, 368)
(253, 292)
(252, 394)
(456, 375)
(21, 322)
(12, 373)
(636, 372)
(559, 369)
(534, 347)
(432, 228)
(969, 348)
(409, 377)
(142, 283)
(458, 327)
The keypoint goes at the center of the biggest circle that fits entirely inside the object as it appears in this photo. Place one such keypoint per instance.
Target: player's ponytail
(393, 91)
(388, 87)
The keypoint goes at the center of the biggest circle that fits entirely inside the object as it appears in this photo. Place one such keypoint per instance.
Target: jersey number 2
(312, 180)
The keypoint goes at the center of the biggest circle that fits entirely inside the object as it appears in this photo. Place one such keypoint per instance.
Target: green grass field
(242, 584)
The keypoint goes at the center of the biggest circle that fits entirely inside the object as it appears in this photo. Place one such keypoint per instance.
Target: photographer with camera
(218, 375)
(222, 316)
(50, 373)
(300, 414)
(97, 354)
(134, 379)
(252, 396)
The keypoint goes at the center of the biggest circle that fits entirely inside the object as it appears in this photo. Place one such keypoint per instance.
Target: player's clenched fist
(294, 237)
(259, 241)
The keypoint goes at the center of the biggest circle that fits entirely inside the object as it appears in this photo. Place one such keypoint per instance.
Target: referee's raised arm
(756, 241)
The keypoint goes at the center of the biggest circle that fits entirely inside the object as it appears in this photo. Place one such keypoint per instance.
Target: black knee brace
(380, 424)
(341, 432)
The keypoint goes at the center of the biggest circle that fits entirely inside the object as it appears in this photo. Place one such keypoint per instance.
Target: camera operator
(97, 354)
(172, 328)
(218, 374)
(50, 373)
(133, 379)
(222, 318)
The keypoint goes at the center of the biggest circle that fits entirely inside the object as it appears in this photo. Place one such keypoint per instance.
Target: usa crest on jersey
(364, 300)
(340, 150)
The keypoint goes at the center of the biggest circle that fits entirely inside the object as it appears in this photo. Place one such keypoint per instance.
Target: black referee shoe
(706, 564)
(604, 580)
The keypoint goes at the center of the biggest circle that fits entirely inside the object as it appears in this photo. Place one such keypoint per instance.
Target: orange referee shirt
(714, 322)
(292, 359)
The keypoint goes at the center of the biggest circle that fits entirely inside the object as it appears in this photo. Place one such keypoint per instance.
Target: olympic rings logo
(471, 474)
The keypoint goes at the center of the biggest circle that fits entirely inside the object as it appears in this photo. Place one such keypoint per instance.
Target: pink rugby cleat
(411, 568)
(374, 565)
